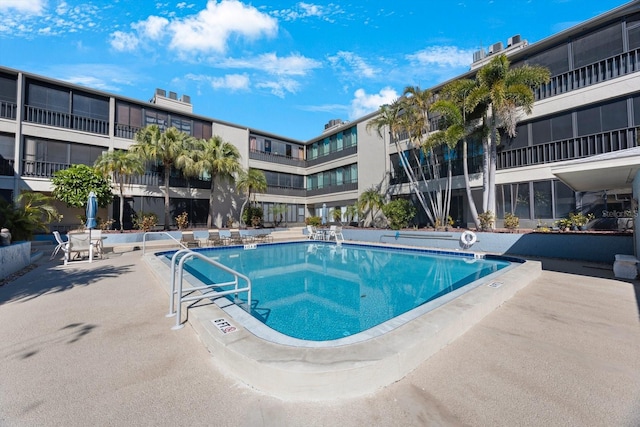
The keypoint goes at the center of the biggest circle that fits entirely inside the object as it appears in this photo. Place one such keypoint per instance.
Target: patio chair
(62, 245)
(237, 238)
(96, 241)
(335, 232)
(313, 233)
(188, 240)
(78, 244)
(214, 238)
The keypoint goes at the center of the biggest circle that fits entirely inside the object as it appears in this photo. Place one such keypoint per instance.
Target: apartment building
(578, 150)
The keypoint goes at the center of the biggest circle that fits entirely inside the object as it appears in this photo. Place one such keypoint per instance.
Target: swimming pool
(294, 369)
(315, 291)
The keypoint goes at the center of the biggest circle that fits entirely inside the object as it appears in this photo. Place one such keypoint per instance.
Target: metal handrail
(188, 254)
(144, 239)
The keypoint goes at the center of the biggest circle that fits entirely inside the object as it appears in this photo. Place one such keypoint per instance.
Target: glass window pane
(542, 199)
(598, 45)
(614, 115)
(8, 89)
(561, 127)
(541, 131)
(521, 205)
(589, 121)
(565, 199)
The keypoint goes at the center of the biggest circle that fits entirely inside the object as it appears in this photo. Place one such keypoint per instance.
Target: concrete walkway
(88, 344)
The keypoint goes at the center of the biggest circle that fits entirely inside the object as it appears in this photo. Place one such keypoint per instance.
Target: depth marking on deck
(495, 284)
(224, 325)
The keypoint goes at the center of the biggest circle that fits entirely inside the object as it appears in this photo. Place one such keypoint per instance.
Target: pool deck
(88, 344)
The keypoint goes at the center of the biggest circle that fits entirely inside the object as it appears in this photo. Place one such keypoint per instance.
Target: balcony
(331, 189)
(286, 191)
(276, 158)
(8, 110)
(568, 149)
(607, 69)
(65, 120)
(333, 156)
(40, 169)
(126, 131)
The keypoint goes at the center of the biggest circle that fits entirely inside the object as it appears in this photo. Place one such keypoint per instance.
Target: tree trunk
(467, 184)
(167, 216)
(211, 202)
(121, 206)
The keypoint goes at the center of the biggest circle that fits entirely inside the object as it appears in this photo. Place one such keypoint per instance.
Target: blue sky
(284, 67)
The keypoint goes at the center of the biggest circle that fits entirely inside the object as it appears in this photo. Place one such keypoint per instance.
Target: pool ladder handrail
(179, 265)
(144, 239)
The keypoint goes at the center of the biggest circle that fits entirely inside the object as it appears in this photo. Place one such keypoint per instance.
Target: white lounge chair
(61, 245)
(78, 244)
(313, 233)
(189, 241)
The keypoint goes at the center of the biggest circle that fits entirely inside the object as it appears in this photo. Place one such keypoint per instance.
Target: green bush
(486, 220)
(313, 220)
(144, 221)
(511, 221)
(399, 212)
(252, 215)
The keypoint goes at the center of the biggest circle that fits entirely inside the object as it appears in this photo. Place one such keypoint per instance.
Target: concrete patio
(88, 344)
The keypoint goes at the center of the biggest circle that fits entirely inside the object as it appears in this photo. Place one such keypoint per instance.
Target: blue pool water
(324, 291)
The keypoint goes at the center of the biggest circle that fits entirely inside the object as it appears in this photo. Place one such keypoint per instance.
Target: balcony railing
(568, 149)
(607, 69)
(8, 110)
(126, 131)
(286, 191)
(65, 120)
(156, 179)
(347, 151)
(39, 169)
(276, 158)
(334, 188)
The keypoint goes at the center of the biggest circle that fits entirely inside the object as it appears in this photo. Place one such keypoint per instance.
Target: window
(8, 89)
(555, 59)
(48, 97)
(542, 207)
(90, 106)
(597, 45)
(564, 199)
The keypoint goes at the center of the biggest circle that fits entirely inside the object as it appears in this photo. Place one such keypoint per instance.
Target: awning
(610, 171)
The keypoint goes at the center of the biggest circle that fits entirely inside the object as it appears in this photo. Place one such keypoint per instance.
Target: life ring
(468, 238)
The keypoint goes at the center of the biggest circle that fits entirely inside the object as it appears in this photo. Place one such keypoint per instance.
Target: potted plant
(511, 222)
(564, 224)
(580, 220)
(486, 220)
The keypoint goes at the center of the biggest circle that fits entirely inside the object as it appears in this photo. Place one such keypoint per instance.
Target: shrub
(144, 221)
(399, 212)
(182, 221)
(313, 220)
(486, 220)
(511, 221)
(252, 215)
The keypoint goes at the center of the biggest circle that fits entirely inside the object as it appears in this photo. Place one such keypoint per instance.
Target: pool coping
(350, 370)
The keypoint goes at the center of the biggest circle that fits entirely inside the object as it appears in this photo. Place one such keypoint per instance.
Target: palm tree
(250, 181)
(216, 158)
(370, 200)
(460, 123)
(352, 212)
(120, 166)
(32, 212)
(505, 92)
(164, 147)
(390, 118)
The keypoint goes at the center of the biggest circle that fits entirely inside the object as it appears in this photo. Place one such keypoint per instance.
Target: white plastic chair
(313, 233)
(335, 232)
(61, 245)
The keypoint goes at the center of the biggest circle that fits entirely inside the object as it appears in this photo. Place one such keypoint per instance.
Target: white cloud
(24, 6)
(292, 65)
(280, 87)
(304, 10)
(211, 28)
(442, 56)
(232, 82)
(355, 63)
(364, 103)
(153, 27)
(125, 42)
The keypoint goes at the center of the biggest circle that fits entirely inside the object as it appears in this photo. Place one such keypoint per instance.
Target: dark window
(521, 139)
(565, 200)
(555, 59)
(542, 199)
(90, 106)
(589, 121)
(48, 97)
(614, 115)
(541, 130)
(8, 89)
(85, 154)
(633, 31)
(636, 110)
(561, 127)
(597, 45)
